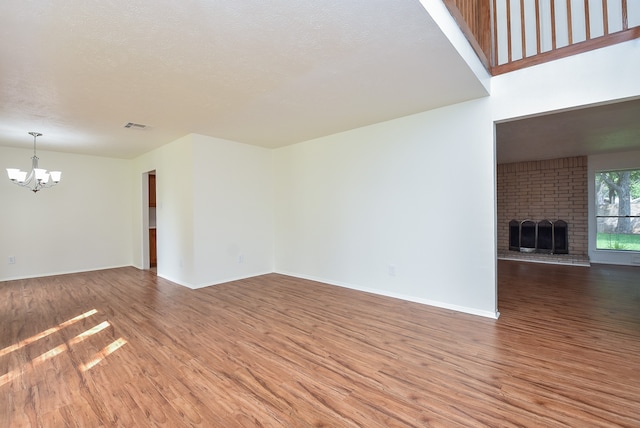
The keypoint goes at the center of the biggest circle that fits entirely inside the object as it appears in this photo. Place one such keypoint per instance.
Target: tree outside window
(618, 210)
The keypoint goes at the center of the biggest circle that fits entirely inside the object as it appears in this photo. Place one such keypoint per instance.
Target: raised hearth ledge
(558, 259)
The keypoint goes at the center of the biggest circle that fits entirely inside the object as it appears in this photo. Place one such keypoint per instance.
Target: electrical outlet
(12, 259)
(392, 270)
(241, 258)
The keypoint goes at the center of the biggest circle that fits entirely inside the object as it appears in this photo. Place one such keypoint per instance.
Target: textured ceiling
(581, 132)
(268, 73)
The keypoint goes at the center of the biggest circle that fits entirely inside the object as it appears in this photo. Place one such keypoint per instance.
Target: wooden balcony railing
(474, 19)
(511, 34)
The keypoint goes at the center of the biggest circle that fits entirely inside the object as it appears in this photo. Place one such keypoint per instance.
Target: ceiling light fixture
(38, 178)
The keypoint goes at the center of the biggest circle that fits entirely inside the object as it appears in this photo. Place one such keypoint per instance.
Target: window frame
(618, 245)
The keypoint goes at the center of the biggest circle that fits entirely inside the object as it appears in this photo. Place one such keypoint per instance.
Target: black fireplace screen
(545, 236)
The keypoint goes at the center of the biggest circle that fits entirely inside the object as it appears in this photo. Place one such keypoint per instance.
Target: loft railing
(474, 18)
(512, 34)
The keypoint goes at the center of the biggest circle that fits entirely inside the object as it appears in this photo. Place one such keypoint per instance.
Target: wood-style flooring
(125, 348)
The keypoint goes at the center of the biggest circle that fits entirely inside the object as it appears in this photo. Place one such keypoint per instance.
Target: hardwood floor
(124, 348)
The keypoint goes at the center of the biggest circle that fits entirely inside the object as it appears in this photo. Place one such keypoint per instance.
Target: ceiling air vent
(135, 126)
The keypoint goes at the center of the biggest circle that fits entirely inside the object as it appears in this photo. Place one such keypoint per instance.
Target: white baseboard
(66, 272)
(210, 284)
(443, 305)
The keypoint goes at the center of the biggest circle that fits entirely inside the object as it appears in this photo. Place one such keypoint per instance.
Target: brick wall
(554, 189)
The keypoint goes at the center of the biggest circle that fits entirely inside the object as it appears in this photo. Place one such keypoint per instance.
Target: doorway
(149, 235)
(153, 253)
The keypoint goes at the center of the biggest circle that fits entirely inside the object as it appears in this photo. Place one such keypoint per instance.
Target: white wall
(214, 204)
(400, 194)
(608, 162)
(599, 76)
(351, 205)
(233, 210)
(84, 223)
(175, 189)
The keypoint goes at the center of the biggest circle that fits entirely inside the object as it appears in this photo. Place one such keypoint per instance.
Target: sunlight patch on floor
(45, 333)
(109, 349)
(97, 358)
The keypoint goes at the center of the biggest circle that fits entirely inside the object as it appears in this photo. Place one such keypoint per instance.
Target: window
(618, 210)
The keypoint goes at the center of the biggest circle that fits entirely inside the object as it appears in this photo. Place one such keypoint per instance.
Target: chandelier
(38, 178)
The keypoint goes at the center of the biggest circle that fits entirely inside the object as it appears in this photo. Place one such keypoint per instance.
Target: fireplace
(544, 236)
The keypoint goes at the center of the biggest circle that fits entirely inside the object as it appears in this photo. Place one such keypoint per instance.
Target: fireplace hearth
(544, 236)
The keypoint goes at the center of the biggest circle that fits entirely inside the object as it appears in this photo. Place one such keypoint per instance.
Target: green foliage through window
(618, 210)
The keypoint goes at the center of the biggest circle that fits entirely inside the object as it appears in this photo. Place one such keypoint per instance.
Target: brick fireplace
(544, 192)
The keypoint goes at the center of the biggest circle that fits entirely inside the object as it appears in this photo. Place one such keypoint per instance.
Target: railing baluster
(625, 16)
(495, 35)
(523, 32)
(587, 21)
(538, 27)
(553, 24)
(605, 17)
(569, 23)
(509, 58)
